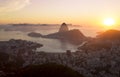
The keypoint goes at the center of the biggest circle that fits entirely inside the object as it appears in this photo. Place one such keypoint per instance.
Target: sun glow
(109, 22)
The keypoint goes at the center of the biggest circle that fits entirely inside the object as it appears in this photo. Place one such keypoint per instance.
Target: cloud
(12, 5)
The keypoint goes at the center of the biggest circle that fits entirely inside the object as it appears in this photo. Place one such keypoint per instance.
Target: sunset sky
(89, 12)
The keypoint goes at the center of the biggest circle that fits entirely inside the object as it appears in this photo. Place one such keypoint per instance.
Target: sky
(87, 12)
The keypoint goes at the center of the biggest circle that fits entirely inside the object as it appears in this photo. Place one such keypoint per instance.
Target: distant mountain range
(26, 24)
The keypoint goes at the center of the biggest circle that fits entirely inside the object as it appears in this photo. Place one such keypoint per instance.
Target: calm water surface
(50, 45)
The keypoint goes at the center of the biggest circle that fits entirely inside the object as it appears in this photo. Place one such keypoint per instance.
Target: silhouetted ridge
(110, 35)
(107, 40)
(74, 36)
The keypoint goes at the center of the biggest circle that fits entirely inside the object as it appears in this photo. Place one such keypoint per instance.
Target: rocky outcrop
(34, 34)
(110, 35)
(73, 36)
(63, 28)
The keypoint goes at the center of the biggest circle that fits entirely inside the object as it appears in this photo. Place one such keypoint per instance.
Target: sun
(109, 22)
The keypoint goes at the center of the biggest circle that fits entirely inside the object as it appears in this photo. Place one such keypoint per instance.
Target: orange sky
(85, 12)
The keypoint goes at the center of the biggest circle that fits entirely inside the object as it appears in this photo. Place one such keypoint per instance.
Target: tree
(48, 70)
